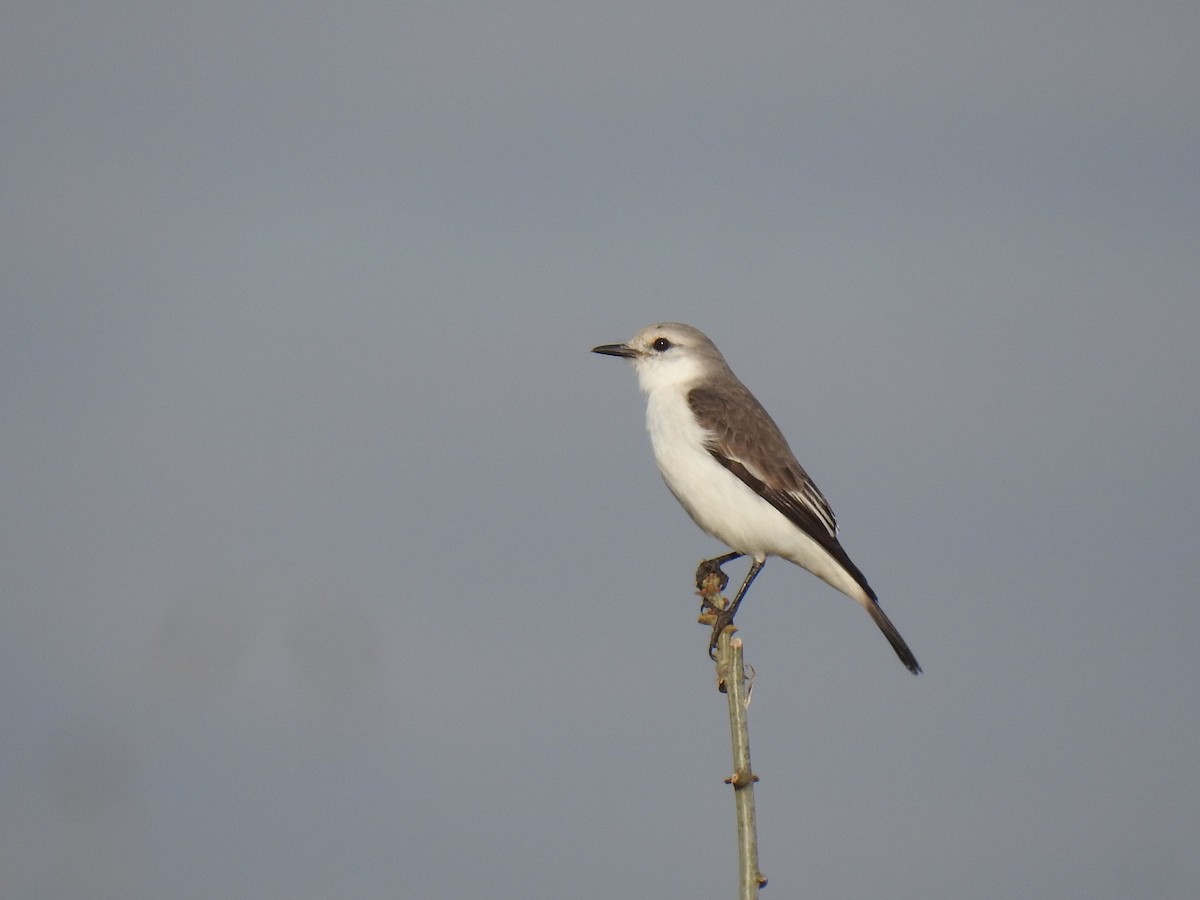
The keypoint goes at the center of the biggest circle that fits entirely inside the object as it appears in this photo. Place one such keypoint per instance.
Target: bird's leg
(713, 567)
(724, 617)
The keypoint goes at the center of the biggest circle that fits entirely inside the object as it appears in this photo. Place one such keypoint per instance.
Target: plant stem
(731, 680)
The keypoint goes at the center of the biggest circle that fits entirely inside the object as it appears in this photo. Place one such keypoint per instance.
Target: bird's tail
(893, 636)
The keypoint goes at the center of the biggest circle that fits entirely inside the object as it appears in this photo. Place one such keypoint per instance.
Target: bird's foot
(722, 620)
(712, 601)
(711, 567)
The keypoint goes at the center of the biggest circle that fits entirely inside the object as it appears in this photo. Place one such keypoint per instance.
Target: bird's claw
(721, 620)
(711, 567)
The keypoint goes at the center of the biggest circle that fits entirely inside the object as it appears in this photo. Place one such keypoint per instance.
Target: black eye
(661, 344)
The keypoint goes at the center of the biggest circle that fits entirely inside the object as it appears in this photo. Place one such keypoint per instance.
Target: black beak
(616, 350)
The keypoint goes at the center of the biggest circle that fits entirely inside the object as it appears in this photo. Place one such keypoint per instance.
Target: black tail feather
(893, 636)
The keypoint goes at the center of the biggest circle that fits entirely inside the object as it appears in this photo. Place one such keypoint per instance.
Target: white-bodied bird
(728, 464)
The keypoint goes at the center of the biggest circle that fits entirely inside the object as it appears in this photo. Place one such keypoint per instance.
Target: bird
(730, 467)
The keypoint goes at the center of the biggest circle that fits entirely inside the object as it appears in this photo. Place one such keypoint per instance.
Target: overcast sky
(335, 566)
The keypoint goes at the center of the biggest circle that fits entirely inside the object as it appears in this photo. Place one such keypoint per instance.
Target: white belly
(721, 504)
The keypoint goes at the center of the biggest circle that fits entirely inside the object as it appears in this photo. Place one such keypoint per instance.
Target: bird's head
(668, 354)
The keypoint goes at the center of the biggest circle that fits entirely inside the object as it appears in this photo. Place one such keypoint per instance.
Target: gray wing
(747, 442)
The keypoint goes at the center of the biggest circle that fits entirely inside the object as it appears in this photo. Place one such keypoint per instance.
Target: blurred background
(335, 565)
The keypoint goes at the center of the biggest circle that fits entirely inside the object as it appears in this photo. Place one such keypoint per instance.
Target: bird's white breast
(714, 497)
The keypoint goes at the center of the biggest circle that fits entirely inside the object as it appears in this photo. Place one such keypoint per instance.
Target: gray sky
(335, 565)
